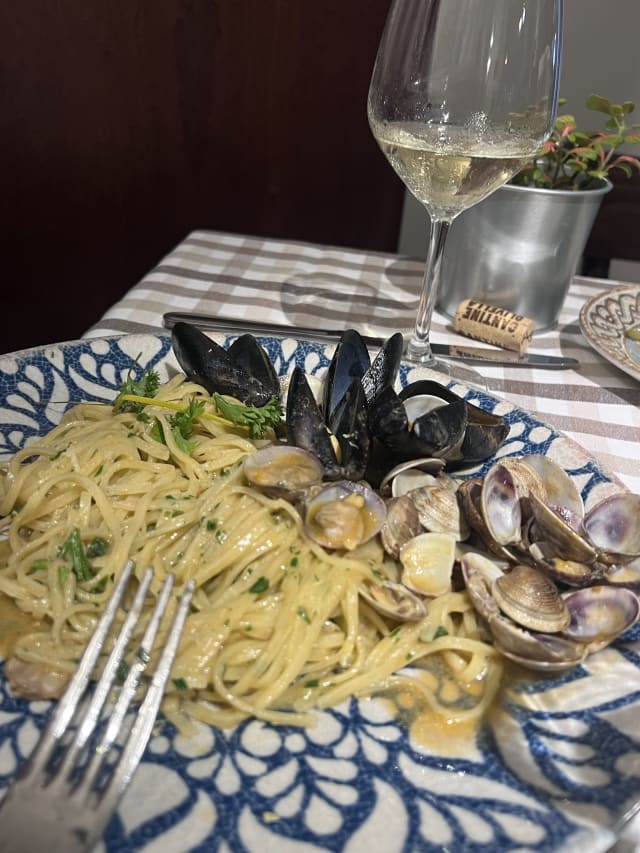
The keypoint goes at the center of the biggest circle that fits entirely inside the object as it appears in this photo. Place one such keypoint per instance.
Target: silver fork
(67, 807)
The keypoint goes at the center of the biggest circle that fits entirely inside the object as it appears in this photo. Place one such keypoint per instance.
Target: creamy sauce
(14, 624)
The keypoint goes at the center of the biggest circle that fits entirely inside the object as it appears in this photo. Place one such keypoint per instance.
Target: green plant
(573, 159)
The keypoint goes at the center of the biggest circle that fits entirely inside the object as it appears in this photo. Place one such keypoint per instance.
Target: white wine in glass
(463, 94)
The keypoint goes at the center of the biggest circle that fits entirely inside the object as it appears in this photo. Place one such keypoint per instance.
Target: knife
(331, 336)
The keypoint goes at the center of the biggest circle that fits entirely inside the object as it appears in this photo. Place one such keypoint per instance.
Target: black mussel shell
(384, 368)
(306, 427)
(440, 432)
(210, 365)
(349, 425)
(387, 415)
(482, 440)
(350, 361)
(458, 431)
(246, 352)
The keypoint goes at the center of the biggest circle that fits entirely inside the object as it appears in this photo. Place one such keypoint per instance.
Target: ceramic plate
(553, 769)
(606, 317)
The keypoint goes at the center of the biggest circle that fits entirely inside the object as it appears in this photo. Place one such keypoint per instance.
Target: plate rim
(626, 364)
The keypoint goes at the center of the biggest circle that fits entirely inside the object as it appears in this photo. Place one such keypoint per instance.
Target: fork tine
(105, 683)
(66, 707)
(130, 686)
(53, 798)
(145, 719)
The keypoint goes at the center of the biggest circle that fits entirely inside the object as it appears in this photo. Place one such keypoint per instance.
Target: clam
(344, 515)
(561, 491)
(534, 649)
(531, 599)
(281, 470)
(557, 531)
(613, 526)
(402, 523)
(412, 473)
(394, 600)
(500, 505)
(537, 651)
(569, 572)
(479, 574)
(470, 497)
(599, 614)
(439, 511)
(427, 562)
(627, 574)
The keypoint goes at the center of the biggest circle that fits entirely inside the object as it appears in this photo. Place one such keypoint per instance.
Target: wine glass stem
(419, 348)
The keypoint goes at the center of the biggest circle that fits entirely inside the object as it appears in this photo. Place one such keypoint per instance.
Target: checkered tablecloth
(297, 283)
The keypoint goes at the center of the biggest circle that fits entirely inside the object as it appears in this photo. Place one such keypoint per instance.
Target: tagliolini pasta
(277, 626)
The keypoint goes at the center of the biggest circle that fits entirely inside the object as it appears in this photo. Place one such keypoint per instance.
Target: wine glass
(463, 94)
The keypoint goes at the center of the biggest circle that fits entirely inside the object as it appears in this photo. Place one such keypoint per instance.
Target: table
(288, 282)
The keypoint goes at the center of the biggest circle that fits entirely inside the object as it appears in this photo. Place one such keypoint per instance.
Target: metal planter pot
(519, 249)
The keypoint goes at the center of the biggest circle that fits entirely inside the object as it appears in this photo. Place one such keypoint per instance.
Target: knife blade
(458, 352)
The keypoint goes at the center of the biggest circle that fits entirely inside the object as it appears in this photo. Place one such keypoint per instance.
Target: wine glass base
(420, 355)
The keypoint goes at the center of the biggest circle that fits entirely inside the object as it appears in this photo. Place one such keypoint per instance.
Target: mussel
(243, 371)
(427, 419)
(337, 431)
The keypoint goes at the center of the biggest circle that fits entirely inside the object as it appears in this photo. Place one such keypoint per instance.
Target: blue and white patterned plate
(554, 768)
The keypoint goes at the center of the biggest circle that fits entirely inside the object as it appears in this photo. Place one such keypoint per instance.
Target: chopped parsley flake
(302, 613)
(261, 585)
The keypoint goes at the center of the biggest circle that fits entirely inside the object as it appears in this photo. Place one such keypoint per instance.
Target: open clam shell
(281, 470)
(613, 526)
(427, 562)
(344, 515)
(557, 531)
(439, 511)
(402, 523)
(394, 600)
(599, 614)
(540, 652)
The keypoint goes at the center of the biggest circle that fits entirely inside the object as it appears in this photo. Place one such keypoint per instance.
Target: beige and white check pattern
(298, 283)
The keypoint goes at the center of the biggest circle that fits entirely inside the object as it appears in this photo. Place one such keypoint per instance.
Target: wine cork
(493, 325)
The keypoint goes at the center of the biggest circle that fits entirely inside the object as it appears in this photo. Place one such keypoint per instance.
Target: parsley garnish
(146, 386)
(257, 419)
(74, 548)
(182, 425)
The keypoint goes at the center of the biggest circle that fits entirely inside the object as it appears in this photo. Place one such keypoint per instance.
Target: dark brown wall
(124, 124)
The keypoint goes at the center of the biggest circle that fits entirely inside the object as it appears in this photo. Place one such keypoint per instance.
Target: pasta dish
(278, 624)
